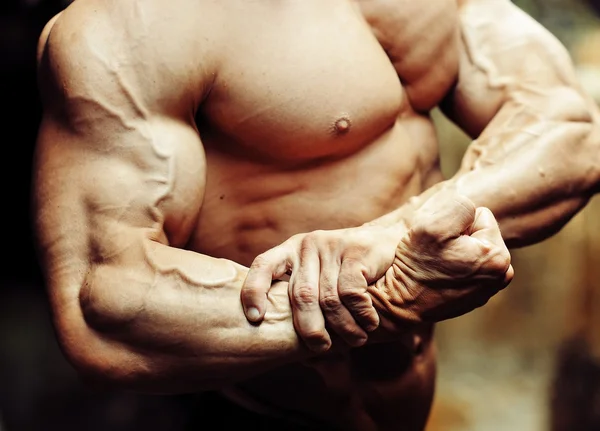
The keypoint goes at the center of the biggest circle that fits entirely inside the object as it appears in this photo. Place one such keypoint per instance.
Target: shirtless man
(246, 196)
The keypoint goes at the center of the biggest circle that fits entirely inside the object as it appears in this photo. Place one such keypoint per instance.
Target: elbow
(106, 342)
(102, 363)
(98, 360)
(91, 333)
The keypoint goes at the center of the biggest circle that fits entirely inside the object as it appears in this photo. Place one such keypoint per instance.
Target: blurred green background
(529, 360)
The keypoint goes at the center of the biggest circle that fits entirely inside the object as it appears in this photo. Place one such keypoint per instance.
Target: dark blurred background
(527, 361)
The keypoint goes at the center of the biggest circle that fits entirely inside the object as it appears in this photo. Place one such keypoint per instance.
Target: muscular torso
(318, 119)
(315, 116)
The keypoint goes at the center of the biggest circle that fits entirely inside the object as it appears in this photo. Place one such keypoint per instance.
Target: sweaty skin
(181, 141)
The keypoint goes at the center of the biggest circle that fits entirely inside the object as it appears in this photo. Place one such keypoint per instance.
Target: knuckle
(330, 302)
(304, 294)
(316, 239)
(332, 242)
(308, 239)
(316, 336)
(314, 236)
(261, 261)
(486, 249)
(499, 262)
(308, 243)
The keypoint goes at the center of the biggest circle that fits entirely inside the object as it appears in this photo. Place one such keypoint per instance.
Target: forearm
(179, 314)
(533, 168)
(535, 190)
(535, 160)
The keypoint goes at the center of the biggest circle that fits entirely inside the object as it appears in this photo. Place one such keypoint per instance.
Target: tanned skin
(246, 195)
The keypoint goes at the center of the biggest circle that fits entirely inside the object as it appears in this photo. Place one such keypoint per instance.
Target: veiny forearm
(535, 176)
(180, 314)
(535, 165)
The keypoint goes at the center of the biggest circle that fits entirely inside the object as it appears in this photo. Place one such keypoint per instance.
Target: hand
(451, 260)
(329, 275)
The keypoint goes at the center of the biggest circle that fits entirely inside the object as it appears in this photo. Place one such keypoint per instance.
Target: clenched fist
(452, 260)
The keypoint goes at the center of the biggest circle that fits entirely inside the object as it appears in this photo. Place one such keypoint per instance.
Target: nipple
(342, 125)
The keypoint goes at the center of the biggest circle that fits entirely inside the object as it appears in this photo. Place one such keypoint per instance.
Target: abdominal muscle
(250, 207)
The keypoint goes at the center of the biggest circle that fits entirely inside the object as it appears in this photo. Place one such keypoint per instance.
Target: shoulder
(43, 38)
(146, 49)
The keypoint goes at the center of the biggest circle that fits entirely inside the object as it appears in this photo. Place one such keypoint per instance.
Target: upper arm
(116, 135)
(505, 57)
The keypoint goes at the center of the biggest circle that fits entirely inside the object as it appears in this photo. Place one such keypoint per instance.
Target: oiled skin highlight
(180, 140)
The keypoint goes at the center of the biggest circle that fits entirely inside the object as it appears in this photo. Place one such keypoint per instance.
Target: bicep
(98, 199)
(110, 155)
(506, 57)
(96, 193)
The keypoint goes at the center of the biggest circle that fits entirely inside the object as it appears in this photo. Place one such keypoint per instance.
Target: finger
(304, 296)
(485, 226)
(267, 266)
(352, 288)
(336, 314)
(485, 229)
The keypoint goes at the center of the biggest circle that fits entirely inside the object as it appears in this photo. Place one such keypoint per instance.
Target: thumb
(486, 231)
(266, 267)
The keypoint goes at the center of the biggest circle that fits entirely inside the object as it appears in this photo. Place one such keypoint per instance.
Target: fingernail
(360, 342)
(371, 327)
(252, 313)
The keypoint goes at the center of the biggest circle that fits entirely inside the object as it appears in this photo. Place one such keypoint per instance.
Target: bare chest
(304, 80)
